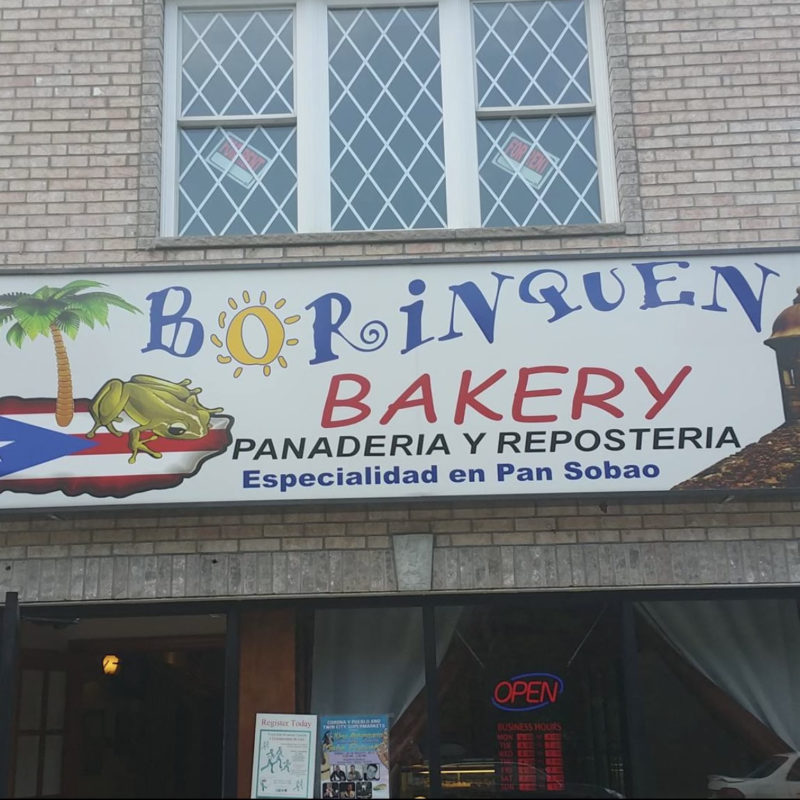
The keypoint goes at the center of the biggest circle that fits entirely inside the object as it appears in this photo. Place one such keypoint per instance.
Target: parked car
(778, 776)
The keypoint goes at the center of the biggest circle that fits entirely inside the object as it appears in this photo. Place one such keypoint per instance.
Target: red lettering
(522, 393)
(595, 387)
(661, 398)
(333, 401)
(581, 398)
(242, 156)
(521, 693)
(537, 161)
(534, 694)
(506, 686)
(421, 384)
(519, 689)
(551, 690)
(516, 149)
(467, 396)
(254, 159)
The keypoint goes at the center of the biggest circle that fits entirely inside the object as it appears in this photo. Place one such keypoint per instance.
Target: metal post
(230, 724)
(432, 698)
(9, 656)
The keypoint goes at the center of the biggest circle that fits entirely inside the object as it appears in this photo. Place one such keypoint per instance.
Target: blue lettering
(503, 470)
(373, 335)
(478, 307)
(573, 471)
(593, 284)
(250, 479)
(457, 475)
(159, 320)
(652, 299)
(550, 294)
(742, 292)
(414, 314)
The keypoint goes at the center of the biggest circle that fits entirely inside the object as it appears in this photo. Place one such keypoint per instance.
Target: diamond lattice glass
(531, 53)
(237, 181)
(387, 149)
(237, 63)
(539, 171)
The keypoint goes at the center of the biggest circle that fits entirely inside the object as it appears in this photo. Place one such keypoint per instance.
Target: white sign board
(284, 754)
(598, 375)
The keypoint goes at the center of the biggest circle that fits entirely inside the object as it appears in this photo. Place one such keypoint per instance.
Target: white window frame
(459, 102)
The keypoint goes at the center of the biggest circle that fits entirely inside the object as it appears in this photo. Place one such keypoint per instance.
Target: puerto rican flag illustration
(37, 456)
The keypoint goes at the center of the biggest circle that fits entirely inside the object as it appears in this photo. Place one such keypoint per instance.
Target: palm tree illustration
(53, 312)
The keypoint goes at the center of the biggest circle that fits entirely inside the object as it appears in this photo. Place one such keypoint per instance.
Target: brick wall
(705, 99)
(706, 115)
(70, 100)
(716, 93)
(342, 550)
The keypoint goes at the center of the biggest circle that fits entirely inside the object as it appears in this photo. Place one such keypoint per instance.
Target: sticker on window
(239, 161)
(527, 160)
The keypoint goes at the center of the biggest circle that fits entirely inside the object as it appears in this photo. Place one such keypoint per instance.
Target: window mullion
(458, 102)
(253, 121)
(311, 107)
(169, 148)
(529, 112)
(601, 95)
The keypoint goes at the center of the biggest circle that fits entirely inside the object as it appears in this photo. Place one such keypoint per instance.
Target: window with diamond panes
(326, 116)
(237, 159)
(537, 158)
(387, 150)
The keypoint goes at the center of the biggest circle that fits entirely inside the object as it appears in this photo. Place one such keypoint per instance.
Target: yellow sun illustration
(234, 337)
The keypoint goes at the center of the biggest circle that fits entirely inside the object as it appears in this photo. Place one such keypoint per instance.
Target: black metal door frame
(9, 661)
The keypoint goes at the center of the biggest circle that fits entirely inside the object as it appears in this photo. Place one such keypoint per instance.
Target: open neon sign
(527, 692)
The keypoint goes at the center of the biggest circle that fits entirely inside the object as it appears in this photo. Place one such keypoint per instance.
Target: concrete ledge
(381, 237)
(412, 565)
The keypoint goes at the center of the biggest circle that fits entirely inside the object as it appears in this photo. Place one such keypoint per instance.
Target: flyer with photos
(283, 755)
(354, 757)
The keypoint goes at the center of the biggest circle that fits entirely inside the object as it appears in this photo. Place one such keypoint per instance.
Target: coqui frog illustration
(168, 410)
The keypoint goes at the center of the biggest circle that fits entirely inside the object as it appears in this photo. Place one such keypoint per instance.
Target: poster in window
(283, 755)
(354, 757)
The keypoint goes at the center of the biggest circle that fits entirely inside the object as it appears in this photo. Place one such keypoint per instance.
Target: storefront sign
(598, 375)
(529, 740)
(354, 754)
(284, 755)
(527, 692)
(531, 756)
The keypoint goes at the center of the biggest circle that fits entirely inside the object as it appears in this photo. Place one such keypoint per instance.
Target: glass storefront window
(368, 689)
(530, 702)
(720, 697)
(535, 696)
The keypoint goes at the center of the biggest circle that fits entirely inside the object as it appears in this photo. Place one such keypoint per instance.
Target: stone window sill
(383, 237)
